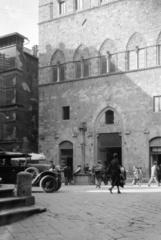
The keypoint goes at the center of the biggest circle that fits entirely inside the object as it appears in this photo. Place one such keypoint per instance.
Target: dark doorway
(156, 157)
(108, 144)
(155, 151)
(66, 154)
(66, 158)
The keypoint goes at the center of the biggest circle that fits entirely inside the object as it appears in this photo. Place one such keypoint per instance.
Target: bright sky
(20, 16)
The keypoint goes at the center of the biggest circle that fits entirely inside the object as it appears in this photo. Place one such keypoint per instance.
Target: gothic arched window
(107, 56)
(136, 52)
(57, 61)
(82, 62)
(109, 117)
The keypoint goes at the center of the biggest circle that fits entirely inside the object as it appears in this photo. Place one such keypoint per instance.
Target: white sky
(20, 16)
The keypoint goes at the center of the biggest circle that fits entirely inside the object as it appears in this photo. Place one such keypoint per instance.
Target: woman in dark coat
(115, 173)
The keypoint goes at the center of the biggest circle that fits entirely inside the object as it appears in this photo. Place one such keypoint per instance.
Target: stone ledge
(13, 215)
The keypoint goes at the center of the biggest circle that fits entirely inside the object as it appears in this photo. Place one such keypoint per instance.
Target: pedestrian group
(114, 173)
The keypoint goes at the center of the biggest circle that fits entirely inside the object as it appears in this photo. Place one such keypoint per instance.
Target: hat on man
(115, 155)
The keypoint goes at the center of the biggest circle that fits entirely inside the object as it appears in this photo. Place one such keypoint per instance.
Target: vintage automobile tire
(59, 185)
(33, 170)
(48, 184)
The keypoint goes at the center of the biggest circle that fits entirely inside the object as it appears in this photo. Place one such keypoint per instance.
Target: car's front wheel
(48, 184)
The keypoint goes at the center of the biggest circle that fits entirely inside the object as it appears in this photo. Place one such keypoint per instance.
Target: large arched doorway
(155, 151)
(66, 154)
(108, 127)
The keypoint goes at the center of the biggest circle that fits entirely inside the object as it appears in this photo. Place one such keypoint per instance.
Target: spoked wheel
(48, 184)
(33, 171)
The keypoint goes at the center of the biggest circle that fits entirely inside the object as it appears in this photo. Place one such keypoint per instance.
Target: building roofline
(13, 34)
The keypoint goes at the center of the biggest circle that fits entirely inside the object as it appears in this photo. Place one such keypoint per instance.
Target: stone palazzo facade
(100, 82)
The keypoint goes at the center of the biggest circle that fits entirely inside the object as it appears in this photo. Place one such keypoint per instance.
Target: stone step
(6, 191)
(12, 215)
(13, 202)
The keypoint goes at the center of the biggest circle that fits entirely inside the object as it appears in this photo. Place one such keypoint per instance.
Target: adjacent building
(100, 81)
(18, 95)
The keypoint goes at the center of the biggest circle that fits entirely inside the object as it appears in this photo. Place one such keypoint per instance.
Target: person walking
(122, 176)
(115, 172)
(140, 174)
(153, 175)
(98, 172)
(135, 175)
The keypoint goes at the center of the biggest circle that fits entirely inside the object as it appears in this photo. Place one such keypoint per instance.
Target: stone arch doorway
(66, 154)
(108, 139)
(155, 151)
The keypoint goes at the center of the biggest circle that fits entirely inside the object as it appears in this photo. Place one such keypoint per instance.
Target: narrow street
(85, 213)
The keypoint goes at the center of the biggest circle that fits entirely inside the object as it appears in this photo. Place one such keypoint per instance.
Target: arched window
(82, 62)
(136, 52)
(109, 117)
(107, 56)
(57, 61)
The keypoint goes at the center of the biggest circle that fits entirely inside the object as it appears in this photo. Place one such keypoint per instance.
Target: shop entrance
(108, 144)
(155, 151)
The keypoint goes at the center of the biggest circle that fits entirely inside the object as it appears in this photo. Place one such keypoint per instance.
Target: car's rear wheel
(48, 184)
(33, 171)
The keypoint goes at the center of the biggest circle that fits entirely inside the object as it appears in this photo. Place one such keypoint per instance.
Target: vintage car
(13, 162)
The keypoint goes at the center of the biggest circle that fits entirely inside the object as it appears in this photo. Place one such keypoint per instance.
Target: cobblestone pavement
(85, 213)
